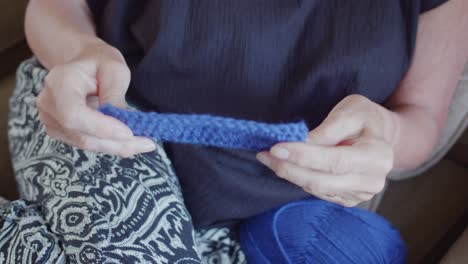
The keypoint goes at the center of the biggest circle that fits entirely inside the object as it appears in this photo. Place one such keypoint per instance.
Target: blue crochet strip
(208, 130)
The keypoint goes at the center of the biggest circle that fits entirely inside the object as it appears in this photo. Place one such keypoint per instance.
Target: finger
(351, 199)
(72, 111)
(83, 119)
(365, 156)
(337, 127)
(113, 81)
(341, 200)
(332, 188)
(48, 121)
(315, 182)
(126, 148)
(332, 160)
(87, 79)
(72, 81)
(324, 186)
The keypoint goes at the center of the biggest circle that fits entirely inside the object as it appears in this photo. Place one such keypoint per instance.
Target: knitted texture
(208, 130)
(320, 232)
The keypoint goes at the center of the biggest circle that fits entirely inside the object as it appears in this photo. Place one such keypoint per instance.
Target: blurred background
(430, 208)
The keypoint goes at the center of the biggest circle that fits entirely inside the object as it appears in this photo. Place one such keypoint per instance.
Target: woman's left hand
(346, 159)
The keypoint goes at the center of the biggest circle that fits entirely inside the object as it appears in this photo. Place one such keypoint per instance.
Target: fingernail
(280, 153)
(263, 158)
(122, 135)
(147, 146)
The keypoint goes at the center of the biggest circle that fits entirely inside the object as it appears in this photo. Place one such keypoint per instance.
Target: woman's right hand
(72, 93)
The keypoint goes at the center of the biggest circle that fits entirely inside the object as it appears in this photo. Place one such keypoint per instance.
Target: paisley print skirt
(82, 207)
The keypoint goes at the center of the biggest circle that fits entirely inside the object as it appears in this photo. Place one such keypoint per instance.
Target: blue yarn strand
(208, 130)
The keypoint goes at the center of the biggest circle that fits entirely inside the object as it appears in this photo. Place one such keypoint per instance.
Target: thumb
(113, 80)
(335, 129)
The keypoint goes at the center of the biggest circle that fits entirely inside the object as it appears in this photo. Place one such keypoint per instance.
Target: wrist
(416, 137)
(391, 125)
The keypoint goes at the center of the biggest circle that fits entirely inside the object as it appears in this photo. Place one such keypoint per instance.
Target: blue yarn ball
(316, 231)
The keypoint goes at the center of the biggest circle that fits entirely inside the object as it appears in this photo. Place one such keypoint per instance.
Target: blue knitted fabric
(208, 130)
(316, 231)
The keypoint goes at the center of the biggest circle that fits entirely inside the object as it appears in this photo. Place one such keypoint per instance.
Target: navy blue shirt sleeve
(427, 5)
(96, 7)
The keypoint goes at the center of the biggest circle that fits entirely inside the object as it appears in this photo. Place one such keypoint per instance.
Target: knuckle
(348, 203)
(321, 188)
(40, 104)
(366, 197)
(388, 162)
(375, 186)
(387, 166)
(300, 158)
(70, 119)
(350, 114)
(55, 74)
(66, 83)
(379, 186)
(342, 203)
(124, 153)
(68, 122)
(119, 68)
(128, 155)
(49, 79)
(381, 166)
(283, 170)
(309, 187)
(356, 98)
(82, 143)
(113, 51)
(339, 164)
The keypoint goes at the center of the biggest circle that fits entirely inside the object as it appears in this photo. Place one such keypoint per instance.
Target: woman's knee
(108, 225)
(96, 201)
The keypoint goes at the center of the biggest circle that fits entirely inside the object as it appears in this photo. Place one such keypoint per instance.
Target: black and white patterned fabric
(82, 207)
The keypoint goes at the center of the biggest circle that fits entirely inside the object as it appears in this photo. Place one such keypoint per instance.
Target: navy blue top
(263, 60)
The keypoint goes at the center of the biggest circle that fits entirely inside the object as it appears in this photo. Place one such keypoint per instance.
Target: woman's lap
(101, 206)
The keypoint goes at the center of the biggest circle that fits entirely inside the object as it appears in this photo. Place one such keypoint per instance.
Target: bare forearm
(417, 132)
(420, 104)
(57, 30)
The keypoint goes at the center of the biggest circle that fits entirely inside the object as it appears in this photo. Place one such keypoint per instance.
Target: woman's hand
(346, 159)
(73, 91)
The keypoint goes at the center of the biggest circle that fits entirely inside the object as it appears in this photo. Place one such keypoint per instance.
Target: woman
(373, 79)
